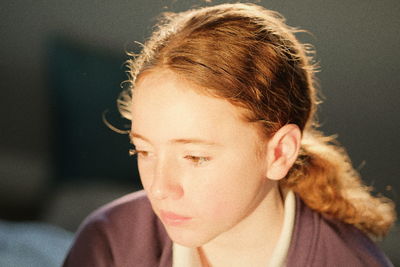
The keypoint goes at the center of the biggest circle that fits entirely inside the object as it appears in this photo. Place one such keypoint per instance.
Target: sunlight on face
(197, 158)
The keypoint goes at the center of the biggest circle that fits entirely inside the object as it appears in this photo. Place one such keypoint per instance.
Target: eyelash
(133, 152)
(196, 160)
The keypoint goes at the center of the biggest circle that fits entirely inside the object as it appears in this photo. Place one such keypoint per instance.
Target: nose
(165, 182)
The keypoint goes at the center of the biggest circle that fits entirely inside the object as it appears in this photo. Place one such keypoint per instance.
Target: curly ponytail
(326, 181)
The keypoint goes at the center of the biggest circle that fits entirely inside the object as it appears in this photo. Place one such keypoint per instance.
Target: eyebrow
(183, 141)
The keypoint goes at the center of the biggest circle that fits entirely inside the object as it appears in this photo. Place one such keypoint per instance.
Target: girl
(222, 103)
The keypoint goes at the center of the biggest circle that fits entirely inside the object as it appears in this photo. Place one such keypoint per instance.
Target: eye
(132, 152)
(140, 153)
(197, 160)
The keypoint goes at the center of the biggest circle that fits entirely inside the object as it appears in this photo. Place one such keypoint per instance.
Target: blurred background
(61, 69)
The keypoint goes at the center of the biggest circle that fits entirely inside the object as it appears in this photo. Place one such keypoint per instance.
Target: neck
(250, 241)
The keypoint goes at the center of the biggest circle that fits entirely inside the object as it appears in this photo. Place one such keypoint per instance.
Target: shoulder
(121, 232)
(319, 241)
(125, 209)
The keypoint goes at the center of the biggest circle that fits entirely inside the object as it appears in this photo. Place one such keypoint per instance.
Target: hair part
(248, 56)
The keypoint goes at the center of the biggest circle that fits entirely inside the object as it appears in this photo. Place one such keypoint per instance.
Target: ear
(282, 151)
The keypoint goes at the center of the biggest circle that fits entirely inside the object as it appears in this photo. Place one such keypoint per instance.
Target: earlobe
(282, 151)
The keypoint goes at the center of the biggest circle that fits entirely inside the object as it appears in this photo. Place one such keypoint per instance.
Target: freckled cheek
(227, 198)
(220, 210)
(214, 204)
(221, 215)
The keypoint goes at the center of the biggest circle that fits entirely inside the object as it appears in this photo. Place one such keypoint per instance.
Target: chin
(186, 243)
(190, 239)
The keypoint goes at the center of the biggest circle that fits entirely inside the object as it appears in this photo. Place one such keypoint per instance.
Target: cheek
(215, 192)
(145, 175)
(228, 188)
(220, 211)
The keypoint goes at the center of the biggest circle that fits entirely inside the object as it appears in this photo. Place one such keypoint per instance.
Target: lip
(173, 219)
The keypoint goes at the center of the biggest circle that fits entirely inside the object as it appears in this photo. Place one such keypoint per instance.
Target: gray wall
(357, 45)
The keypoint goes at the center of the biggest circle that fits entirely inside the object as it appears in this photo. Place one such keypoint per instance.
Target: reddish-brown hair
(248, 55)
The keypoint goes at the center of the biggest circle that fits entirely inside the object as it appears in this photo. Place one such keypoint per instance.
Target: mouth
(173, 219)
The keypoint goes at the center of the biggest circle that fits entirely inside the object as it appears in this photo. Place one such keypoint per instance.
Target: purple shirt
(126, 232)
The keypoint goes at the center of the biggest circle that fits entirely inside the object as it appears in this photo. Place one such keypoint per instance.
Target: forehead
(164, 105)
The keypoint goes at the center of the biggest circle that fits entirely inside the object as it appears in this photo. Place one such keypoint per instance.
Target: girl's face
(197, 159)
